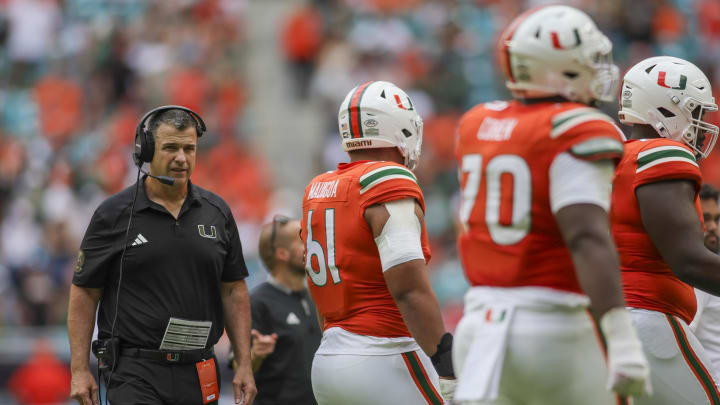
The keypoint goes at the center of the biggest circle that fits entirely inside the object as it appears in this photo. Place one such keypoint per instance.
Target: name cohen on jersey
(323, 189)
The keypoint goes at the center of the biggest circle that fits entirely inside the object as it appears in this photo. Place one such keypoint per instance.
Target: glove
(442, 361)
(629, 372)
(447, 388)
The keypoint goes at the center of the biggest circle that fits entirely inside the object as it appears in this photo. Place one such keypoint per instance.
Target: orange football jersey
(345, 275)
(648, 282)
(505, 150)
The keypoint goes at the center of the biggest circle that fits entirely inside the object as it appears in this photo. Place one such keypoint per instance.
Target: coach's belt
(171, 357)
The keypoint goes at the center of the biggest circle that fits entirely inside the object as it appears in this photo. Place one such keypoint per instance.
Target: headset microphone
(162, 179)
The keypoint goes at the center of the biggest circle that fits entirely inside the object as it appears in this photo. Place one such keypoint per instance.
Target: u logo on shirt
(213, 232)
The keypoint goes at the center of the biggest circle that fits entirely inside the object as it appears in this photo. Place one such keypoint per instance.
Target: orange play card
(208, 380)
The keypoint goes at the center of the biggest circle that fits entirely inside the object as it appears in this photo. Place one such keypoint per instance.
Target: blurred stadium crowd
(76, 75)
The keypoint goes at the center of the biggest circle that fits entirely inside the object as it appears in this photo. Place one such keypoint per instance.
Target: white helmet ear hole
(571, 75)
(407, 133)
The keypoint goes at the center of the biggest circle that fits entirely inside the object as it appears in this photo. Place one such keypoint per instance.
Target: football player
(366, 249)
(657, 222)
(535, 174)
(706, 323)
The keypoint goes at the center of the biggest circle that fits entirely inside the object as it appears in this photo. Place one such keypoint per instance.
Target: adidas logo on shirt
(292, 319)
(139, 240)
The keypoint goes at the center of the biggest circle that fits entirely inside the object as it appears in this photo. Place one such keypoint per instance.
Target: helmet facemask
(698, 134)
(411, 152)
(604, 84)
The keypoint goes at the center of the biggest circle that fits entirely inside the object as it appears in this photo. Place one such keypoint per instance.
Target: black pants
(148, 382)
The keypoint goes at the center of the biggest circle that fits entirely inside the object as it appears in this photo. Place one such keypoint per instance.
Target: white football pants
(553, 357)
(395, 379)
(680, 371)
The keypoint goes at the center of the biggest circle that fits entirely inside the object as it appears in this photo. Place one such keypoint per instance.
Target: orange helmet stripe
(504, 49)
(354, 110)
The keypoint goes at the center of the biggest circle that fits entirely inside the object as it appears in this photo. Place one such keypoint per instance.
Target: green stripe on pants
(689, 354)
(420, 375)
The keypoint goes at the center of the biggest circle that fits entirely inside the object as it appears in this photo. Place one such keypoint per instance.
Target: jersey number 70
(502, 232)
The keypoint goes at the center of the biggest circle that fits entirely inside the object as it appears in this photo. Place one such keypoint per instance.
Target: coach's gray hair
(178, 119)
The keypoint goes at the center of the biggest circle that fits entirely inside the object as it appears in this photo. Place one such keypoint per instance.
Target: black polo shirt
(172, 268)
(284, 376)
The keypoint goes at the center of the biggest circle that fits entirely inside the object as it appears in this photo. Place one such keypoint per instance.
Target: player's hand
(262, 345)
(84, 388)
(244, 385)
(629, 372)
(447, 388)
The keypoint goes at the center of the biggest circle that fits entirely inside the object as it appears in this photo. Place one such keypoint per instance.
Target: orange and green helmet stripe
(354, 115)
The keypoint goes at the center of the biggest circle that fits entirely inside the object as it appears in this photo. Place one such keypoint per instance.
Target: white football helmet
(558, 50)
(381, 115)
(671, 95)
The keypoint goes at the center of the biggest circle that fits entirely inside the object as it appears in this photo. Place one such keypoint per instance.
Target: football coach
(163, 258)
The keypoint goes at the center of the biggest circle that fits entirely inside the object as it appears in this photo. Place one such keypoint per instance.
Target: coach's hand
(244, 385)
(262, 345)
(629, 372)
(84, 388)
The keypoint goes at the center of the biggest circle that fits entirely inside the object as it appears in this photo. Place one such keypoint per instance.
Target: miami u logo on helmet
(556, 40)
(661, 81)
(400, 103)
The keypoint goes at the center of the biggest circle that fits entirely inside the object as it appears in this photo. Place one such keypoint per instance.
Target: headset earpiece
(144, 148)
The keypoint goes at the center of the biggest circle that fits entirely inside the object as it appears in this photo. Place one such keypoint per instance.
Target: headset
(145, 140)
(143, 153)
